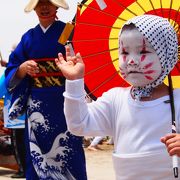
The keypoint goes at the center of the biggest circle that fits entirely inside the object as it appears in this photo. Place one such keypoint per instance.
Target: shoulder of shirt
(60, 22)
(176, 92)
(32, 29)
(119, 89)
(29, 31)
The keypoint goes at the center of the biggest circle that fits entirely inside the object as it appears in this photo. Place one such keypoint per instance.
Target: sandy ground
(99, 165)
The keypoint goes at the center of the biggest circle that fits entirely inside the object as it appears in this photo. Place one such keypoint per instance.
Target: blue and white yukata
(52, 152)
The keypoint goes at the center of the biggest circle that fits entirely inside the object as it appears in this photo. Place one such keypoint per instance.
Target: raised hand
(172, 142)
(73, 67)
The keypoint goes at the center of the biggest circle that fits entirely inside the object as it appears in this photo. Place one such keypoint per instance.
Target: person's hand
(73, 67)
(172, 142)
(29, 67)
(3, 63)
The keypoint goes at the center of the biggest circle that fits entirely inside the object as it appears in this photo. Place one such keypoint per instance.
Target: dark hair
(128, 27)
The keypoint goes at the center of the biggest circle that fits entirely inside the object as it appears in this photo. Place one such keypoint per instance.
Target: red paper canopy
(96, 37)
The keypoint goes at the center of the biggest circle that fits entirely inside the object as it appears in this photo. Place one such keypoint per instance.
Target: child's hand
(73, 67)
(172, 142)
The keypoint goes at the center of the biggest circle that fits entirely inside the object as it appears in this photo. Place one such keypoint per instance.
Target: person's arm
(82, 118)
(90, 119)
(3, 63)
(172, 140)
(29, 67)
(19, 66)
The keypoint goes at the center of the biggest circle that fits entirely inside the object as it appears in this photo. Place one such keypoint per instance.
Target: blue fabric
(8, 123)
(3, 89)
(52, 152)
(16, 123)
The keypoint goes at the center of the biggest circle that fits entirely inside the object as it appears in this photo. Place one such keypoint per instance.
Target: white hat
(59, 3)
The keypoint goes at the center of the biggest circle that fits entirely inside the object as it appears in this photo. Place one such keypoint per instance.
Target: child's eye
(144, 52)
(124, 53)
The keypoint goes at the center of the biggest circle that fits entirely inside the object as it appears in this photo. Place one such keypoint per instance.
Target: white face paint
(139, 63)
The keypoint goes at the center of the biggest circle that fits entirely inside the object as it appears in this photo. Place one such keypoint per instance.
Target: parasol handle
(174, 158)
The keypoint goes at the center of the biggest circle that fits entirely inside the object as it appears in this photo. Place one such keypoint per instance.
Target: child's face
(139, 63)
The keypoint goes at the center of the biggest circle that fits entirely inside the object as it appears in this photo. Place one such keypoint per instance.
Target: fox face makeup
(148, 51)
(139, 63)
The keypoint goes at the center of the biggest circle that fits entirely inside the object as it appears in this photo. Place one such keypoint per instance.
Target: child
(138, 117)
(37, 86)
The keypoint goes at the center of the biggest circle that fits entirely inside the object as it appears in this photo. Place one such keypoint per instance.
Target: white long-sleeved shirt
(135, 126)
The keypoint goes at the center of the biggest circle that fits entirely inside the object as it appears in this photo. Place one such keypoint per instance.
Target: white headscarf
(161, 35)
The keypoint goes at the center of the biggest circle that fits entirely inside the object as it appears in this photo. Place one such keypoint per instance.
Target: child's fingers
(68, 54)
(167, 137)
(60, 59)
(79, 58)
(174, 151)
(174, 148)
(57, 61)
(172, 142)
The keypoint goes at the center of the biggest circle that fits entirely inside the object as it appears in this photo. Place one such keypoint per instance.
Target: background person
(37, 86)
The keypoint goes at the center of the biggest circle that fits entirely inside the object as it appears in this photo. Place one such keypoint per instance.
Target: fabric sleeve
(18, 88)
(16, 58)
(90, 119)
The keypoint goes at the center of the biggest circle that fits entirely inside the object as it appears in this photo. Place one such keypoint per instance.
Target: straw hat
(59, 3)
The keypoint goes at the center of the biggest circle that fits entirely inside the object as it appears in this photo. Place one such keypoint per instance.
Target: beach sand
(99, 165)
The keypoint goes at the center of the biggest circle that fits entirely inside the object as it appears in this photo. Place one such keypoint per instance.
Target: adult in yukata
(37, 87)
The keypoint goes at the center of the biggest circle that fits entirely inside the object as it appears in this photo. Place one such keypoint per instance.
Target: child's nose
(132, 62)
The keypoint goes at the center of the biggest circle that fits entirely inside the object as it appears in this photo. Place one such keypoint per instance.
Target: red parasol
(96, 37)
